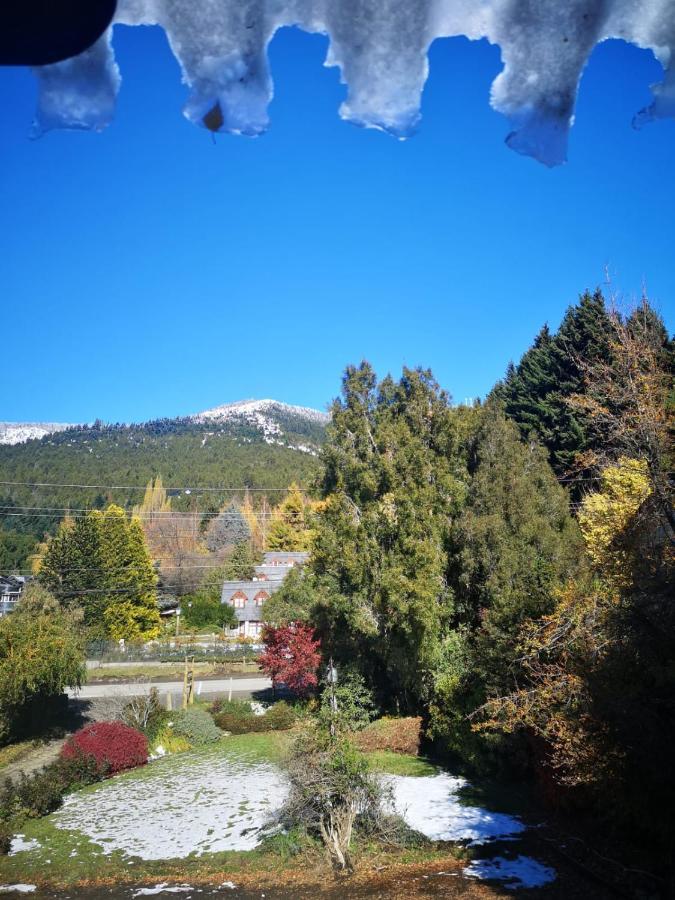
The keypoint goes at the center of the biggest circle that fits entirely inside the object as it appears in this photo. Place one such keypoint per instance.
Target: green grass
(14, 752)
(400, 764)
(170, 670)
(67, 857)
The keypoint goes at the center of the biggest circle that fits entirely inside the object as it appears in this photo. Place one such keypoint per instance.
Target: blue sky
(150, 271)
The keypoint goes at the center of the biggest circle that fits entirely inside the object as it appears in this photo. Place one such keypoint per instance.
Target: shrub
(39, 794)
(170, 742)
(331, 787)
(5, 838)
(398, 735)
(279, 717)
(113, 745)
(145, 713)
(354, 704)
(237, 717)
(196, 725)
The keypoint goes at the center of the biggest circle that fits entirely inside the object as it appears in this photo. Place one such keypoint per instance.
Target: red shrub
(113, 745)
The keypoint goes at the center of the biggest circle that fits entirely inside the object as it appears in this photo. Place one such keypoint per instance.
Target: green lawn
(400, 764)
(173, 671)
(65, 856)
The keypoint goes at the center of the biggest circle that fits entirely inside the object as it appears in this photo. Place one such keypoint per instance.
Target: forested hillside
(119, 460)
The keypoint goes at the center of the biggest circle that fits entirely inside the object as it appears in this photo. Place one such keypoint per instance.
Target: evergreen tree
(15, 550)
(100, 561)
(131, 611)
(73, 569)
(295, 601)
(227, 529)
(512, 549)
(391, 483)
(536, 392)
(241, 563)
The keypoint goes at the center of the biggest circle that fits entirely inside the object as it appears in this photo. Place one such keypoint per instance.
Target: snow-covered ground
(205, 803)
(521, 872)
(182, 805)
(259, 412)
(432, 807)
(20, 432)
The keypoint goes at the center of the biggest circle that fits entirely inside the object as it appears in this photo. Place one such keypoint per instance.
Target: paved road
(205, 686)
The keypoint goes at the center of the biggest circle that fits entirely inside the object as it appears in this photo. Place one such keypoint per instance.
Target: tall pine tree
(391, 485)
(536, 392)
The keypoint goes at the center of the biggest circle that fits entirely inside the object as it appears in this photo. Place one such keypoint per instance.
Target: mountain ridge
(259, 413)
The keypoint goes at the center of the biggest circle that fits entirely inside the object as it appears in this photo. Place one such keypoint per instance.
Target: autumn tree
(628, 403)
(594, 678)
(257, 518)
(289, 527)
(173, 538)
(291, 657)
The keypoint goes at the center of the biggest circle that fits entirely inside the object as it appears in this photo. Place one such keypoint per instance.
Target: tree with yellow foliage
(606, 515)
(290, 524)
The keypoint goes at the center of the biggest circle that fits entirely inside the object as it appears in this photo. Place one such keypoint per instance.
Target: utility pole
(331, 680)
(188, 682)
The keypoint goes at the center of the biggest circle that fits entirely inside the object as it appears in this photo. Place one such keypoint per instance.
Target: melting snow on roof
(381, 49)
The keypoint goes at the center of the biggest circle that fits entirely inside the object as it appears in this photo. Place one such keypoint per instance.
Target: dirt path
(34, 759)
(80, 713)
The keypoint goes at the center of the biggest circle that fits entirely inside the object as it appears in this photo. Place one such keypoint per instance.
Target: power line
(51, 512)
(138, 487)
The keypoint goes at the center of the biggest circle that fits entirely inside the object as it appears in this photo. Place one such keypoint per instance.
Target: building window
(238, 599)
(260, 598)
(254, 628)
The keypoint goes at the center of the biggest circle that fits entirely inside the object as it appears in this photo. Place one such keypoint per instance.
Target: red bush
(113, 745)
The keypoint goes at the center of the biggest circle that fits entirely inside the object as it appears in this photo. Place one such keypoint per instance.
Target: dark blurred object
(40, 32)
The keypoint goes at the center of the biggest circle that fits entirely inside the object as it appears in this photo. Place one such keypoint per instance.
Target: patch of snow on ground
(521, 872)
(163, 888)
(180, 805)
(20, 844)
(17, 888)
(432, 807)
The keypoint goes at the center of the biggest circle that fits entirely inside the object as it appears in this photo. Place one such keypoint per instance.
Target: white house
(11, 587)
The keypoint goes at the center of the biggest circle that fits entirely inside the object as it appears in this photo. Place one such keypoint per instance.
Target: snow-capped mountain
(260, 412)
(271, 418)
(19, 432)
